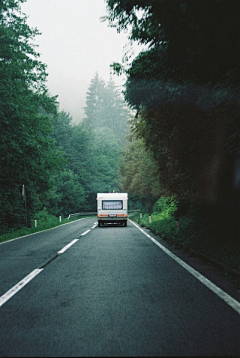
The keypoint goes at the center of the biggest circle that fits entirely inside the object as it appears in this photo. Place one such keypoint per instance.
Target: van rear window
(112, 204)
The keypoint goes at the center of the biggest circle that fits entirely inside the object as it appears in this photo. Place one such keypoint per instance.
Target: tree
(75, 142)
(67, 195)
(185, 88)
(25, 108)
(107, 118)
(116, 112)
(200, 39)
(105, 107)
(94, 103)
(107, 154)
(139, 173)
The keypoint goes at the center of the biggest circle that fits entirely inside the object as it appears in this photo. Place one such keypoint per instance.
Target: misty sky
(74, 45)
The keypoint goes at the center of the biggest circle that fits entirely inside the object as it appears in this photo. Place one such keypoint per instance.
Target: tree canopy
(196, 41)
(28, 153)
(185, 88)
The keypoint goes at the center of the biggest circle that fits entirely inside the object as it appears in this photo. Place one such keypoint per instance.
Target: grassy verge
(48, 223)
(193, 236)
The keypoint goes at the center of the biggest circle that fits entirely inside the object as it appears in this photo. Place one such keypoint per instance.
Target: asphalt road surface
(81, 290)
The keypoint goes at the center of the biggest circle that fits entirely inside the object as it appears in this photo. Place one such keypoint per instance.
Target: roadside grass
(193, 236)
(47, 222)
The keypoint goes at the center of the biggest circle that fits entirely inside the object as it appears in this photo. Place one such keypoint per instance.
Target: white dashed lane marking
(10, 293)
(18, 286)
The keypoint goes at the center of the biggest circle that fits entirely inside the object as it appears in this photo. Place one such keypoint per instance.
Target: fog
(75, 44)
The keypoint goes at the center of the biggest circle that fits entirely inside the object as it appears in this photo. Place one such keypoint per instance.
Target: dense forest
(48, 165)
(177, 155)
(184, 88)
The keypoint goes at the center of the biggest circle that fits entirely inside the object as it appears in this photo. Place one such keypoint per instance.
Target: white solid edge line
(4, 298)
(209, 284)
(38, 232)
(67, 246)
(85, 232)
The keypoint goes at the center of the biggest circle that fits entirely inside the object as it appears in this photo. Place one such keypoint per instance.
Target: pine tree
(28, 153)
(94, 103)
(107, 116)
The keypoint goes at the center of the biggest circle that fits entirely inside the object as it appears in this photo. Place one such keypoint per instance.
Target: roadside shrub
(163, 226)
(165, 207)
(193, 232)
(45, 220)
(162, 218)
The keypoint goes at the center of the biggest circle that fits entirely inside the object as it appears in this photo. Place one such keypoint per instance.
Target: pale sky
(74, 45)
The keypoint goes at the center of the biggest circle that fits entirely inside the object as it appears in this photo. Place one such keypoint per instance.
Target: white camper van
(112, 208)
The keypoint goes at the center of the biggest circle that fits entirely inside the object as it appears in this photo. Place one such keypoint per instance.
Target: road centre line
(73, 242)
(95, 224)
(4, 298)
(209, 284)
(67, 246)
(85, 233)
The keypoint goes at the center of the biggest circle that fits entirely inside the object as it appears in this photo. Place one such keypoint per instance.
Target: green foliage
(75, 142)
(200, 38)
(107, 121)
(117, 68)
(185, 88)
(61, 165)
(194, 231)
(67, 194)
(45, 219)
(160, 226)
(165, 207)
(105, 108)
(138, 172)
(164, 227)
(163, 219)
(94, 103)
(91, 151)
(49, 222)
(73, 196)
(25, 123)
(106, 159)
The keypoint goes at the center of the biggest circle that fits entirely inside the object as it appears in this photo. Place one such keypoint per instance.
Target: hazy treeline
(91, 150)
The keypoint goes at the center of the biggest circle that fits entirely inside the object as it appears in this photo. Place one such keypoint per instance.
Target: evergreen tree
(94, 103)
(76, 146)
(105, 107)
(107, 117)
(28, 152)
(116, 112)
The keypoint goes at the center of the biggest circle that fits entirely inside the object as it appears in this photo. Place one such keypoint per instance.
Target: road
(80, 290)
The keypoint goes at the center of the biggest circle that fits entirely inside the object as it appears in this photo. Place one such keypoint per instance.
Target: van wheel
(99, 224)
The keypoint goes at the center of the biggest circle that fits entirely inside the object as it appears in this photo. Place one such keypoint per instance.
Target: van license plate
(112, 215)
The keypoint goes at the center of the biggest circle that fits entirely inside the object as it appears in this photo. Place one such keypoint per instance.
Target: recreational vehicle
(112, 208)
